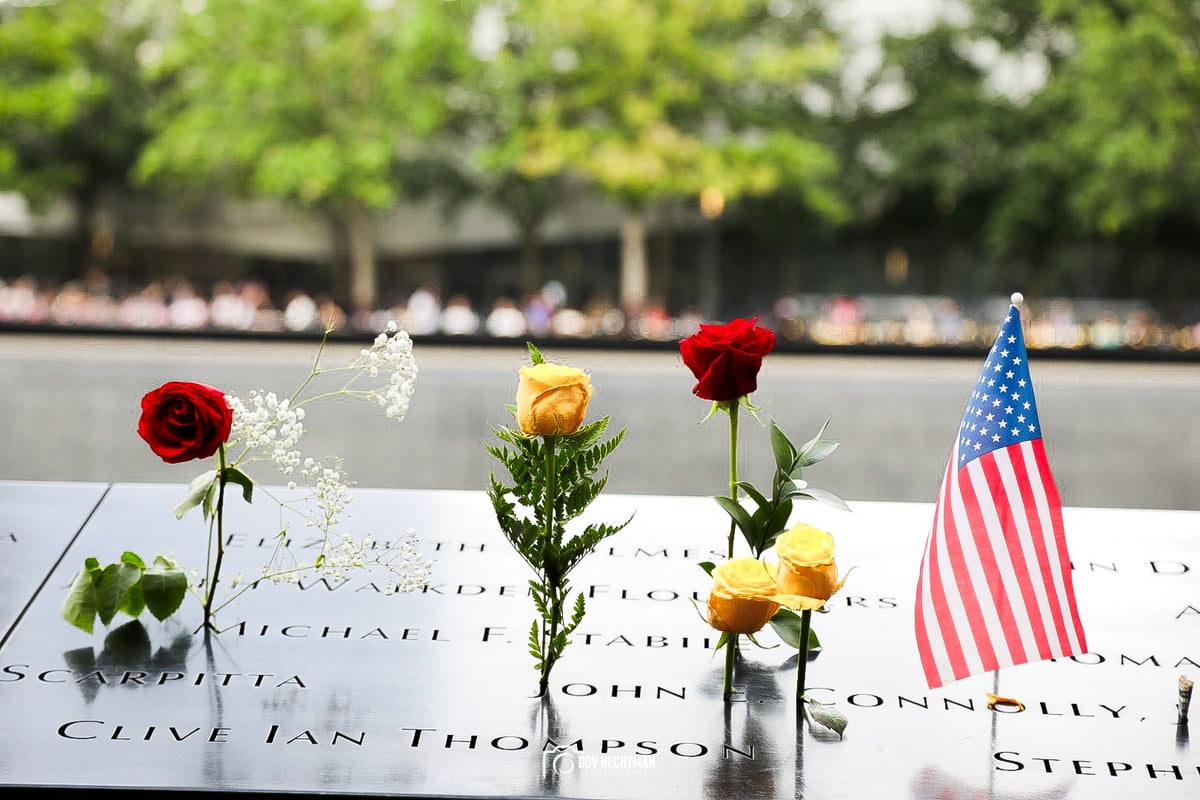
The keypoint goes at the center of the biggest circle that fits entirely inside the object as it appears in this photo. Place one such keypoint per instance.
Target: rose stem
(552, 580)
(733, 470)
(731, 647)
(730, 652)
(216, 570)
(802, 656)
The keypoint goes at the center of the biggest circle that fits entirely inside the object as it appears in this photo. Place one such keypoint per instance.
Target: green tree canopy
(319, 103)
(72, 102)
(649, 100)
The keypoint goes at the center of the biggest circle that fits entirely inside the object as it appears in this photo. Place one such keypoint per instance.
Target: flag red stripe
(931, 589)
(960, 572)
(1035, 524)
(995, 493)
(1065, 593)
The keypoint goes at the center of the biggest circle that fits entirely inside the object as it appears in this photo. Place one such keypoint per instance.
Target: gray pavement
(1119, 434)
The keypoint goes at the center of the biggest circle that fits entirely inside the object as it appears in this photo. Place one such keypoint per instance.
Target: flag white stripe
(954, 615)
(1017, 488)
(976, 582)
(1003, 574)
(1058, 569)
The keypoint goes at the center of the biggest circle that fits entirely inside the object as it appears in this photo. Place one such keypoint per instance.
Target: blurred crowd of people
(249, 306)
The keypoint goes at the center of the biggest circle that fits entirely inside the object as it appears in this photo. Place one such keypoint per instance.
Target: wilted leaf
(827, 716)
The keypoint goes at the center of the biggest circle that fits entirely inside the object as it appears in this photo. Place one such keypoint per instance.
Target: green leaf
(535, 647)
(200, 486)
(754, 494)
(786, 624)
(818, 452)
(782, 447)
(235, 475)
(132, 559)
(708, 567)
(115, 583)
(134, 603)
(164, 586)
(826, 715)
(816, 448)
(740, 517)
(828, 498)
(535, 355)
(79, 607)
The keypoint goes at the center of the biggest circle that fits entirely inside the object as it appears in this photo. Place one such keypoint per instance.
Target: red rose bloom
(182, 421)
(726, 358)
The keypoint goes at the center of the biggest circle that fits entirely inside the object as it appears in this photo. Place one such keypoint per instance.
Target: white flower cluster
(330, 492)
(268, 424)
(390, 354)
(407, 569)
(403, 561)
(267, 428)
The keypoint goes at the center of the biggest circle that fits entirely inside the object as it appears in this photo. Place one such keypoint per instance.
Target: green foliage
(762, 526)
(787, 625)
(202, 491)
(72, 98)
(127, 586)
(656, 99)
(551, 483)
(327, 105)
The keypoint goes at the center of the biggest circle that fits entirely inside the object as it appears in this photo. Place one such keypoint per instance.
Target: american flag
(995, 583)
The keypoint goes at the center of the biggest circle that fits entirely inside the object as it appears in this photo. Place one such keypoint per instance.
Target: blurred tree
(1125, 103)
(327, 104)
(72, 104)
(1032, 129)
(655, 100)
(929, 148)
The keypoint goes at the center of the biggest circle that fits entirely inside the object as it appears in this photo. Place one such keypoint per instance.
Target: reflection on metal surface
(932, 783)
(127, 653)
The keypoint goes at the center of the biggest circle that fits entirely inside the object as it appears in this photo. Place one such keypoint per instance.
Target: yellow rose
(806, 565)
(552, 399)
(743, 596)
(746, 594)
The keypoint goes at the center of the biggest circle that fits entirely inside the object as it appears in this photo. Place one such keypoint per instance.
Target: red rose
(182, 421)
(726, 358)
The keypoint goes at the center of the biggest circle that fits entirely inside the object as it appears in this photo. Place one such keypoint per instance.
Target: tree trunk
(531, 258)
(664, 254)
(364, 291)
(633, 258)
(83, 244)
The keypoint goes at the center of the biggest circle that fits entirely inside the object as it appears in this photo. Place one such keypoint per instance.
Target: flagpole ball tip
(1017, 298)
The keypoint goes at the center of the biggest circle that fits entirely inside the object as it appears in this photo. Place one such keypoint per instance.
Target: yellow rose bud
(552, 399)
(806, 565)
(742, 597)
